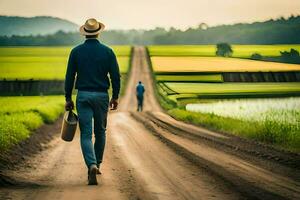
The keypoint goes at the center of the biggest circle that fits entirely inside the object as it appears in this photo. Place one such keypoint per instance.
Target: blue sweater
(140, 89)
(91, 62)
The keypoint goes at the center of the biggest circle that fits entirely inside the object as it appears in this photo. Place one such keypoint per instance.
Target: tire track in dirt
(157, 170)
(247, 149)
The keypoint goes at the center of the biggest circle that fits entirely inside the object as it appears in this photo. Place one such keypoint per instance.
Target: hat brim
(83, 32)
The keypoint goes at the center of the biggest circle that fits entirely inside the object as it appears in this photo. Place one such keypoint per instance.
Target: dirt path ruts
(138, 165)
(255, 180)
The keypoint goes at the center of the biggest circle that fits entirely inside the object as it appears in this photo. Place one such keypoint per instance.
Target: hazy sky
(126, 14)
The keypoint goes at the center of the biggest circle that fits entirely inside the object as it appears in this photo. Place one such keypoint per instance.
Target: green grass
(19, 116)
(190, 78)
(280, 135)
(44, 63)
(241, 51)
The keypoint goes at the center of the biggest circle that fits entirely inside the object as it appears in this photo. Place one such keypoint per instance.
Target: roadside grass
(280, 135)
(19, 116)
(240, 51)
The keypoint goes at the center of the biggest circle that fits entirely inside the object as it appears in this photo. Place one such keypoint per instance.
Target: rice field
(196, 76)
(45, 63)
(217, 64)
(187, 75)
(19, 116)
(240, 51)
(281, 110)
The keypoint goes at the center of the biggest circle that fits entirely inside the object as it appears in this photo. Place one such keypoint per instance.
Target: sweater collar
(91, 40)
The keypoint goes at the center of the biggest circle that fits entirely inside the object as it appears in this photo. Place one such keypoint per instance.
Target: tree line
(279, 31)
(292, 56)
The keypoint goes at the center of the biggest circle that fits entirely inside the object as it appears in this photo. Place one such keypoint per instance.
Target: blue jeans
(140, 99)
(92, 105)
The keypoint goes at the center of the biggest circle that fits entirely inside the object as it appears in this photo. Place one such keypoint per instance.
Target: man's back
(93, 61)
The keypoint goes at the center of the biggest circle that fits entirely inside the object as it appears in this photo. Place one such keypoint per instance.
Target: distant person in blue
(140, 89)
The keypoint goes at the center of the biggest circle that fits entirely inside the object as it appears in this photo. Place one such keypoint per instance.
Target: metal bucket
(69, 126)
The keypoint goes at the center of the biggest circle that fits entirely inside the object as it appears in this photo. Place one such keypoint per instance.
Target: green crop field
(41, 68)
(19, 116)
(52, 51)
(241, 51)
(45, 63)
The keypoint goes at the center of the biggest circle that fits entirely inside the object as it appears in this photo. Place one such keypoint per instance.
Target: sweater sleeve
(70, 76)
(114, 74)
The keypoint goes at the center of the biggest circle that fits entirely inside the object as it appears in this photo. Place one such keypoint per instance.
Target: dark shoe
(92, 175)
(98, 171)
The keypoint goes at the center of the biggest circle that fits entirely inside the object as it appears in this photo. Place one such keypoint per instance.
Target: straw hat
(91, 27)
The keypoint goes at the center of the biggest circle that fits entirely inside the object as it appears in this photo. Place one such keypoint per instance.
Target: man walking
(91, 62)
(140, 89)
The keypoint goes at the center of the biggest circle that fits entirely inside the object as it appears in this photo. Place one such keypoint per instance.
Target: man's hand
(69, 105)
(113, 104)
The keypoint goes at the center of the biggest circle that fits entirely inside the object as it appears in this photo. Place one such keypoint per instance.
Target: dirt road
(150, 155)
